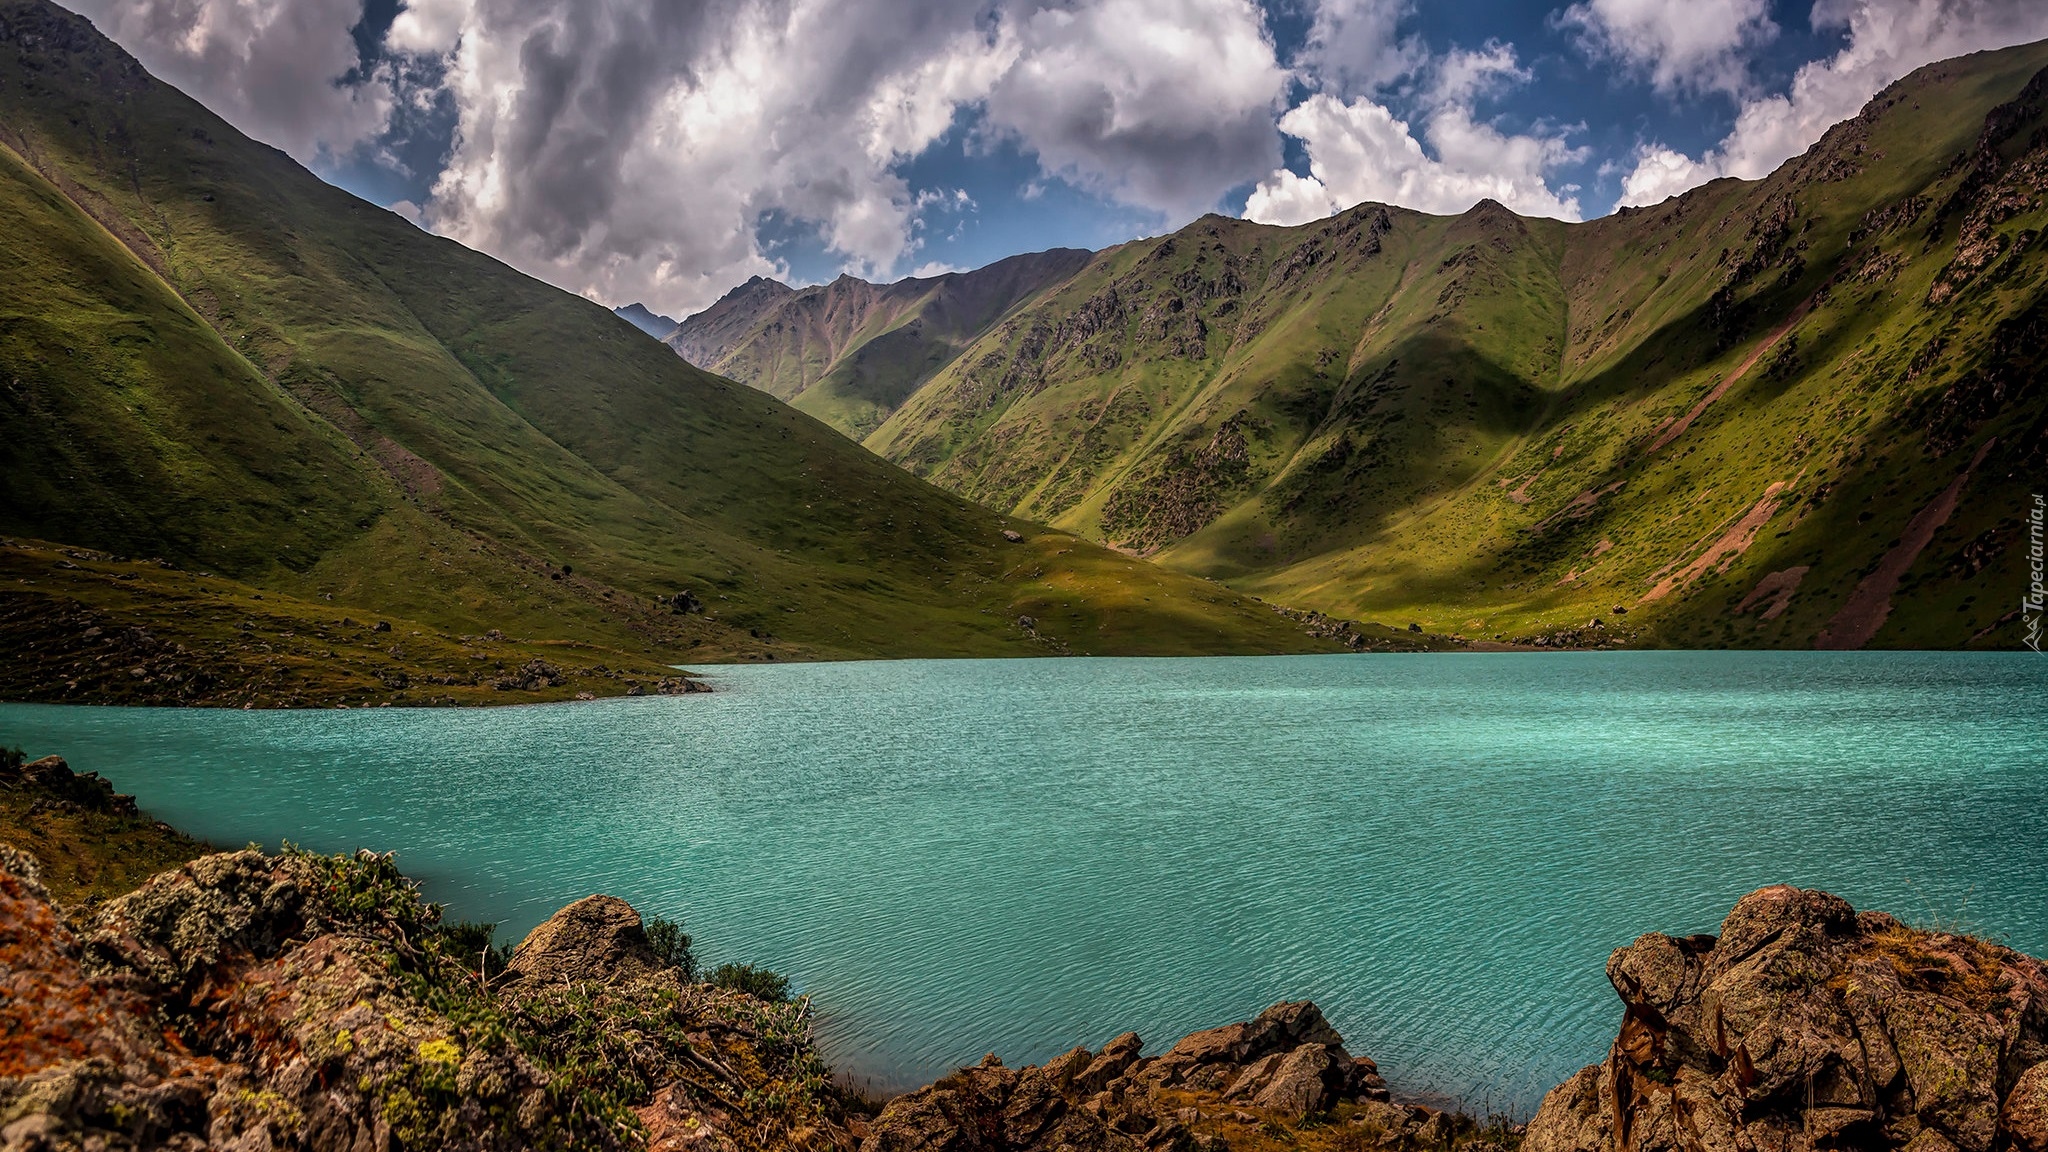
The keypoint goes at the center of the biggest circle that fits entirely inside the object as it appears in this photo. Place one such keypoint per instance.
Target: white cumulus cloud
(637, 149)
(1164, 104)
(1359, 150)
(634, 158)
(1683, 45)
(1886, 40)
(1356, 46)
(275, 69)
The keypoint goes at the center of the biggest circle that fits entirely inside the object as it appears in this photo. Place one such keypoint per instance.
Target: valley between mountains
(1803, 411)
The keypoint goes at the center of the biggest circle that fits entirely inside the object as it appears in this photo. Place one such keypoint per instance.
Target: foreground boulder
(597, 939)
(1806, 1025)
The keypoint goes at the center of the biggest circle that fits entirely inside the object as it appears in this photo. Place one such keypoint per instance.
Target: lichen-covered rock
(175, 930)
(335, 1013)
(79, 1061)
(1805, 1025)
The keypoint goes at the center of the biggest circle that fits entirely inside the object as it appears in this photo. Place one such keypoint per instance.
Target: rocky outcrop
(1806, 1025)
(61, 787)
(1281, 1068)
(255, 1002)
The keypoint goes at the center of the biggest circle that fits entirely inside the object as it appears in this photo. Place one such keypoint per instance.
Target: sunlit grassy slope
(1797, 411)
(211, 357)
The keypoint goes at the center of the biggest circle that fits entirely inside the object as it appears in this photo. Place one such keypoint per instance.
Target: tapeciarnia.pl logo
(2030, 607)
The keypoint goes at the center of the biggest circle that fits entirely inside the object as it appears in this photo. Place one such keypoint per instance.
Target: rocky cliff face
(1808, 1025)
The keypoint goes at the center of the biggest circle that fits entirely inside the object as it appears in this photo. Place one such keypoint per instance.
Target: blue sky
(664, 150)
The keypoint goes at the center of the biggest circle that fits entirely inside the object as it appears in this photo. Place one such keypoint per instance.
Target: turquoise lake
(958, 857)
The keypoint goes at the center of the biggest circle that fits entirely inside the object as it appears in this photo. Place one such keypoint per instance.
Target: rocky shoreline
(254, 1001)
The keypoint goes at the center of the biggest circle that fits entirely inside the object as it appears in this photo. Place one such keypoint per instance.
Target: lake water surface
(958, 857)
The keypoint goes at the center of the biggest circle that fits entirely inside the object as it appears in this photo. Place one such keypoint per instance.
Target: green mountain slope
(208, 355)
(850, 352)
(1803, 410)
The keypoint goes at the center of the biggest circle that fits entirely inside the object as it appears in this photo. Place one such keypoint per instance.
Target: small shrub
(672, 947)
(476, 943)
(758, 982)
(11, 759)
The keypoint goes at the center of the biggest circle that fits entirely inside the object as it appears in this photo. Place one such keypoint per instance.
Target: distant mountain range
(851, 352)
(210, 356)
(653, 323)
(1797, 411)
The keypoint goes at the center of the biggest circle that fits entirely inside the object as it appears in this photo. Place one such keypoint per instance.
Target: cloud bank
(1886, 40)
(630, 150)
(659, 150)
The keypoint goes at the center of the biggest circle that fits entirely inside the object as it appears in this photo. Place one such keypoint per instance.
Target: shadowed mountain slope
(1796, 411)
(210, 356)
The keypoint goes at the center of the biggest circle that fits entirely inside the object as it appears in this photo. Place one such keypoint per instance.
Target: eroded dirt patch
(1774, 592)
(1871, 603)
(1729, 548)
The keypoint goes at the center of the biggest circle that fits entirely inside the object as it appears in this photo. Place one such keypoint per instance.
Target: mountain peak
(646, 319)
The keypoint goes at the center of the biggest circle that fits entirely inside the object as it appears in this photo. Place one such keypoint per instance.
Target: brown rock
(598, 939)
(53, 778)
(1284, 1026)
(2025, 1114)
(1117, 1055)
(1288, 1061)
(1251, 1077)
(1296, 1089)
(1210, 1046)
(676, 1124)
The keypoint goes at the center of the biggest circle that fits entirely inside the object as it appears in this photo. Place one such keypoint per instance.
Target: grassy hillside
(210, 357)
(850, 352)
(1797, 411)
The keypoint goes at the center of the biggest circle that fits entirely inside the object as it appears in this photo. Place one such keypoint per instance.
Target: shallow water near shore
(958, 857)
